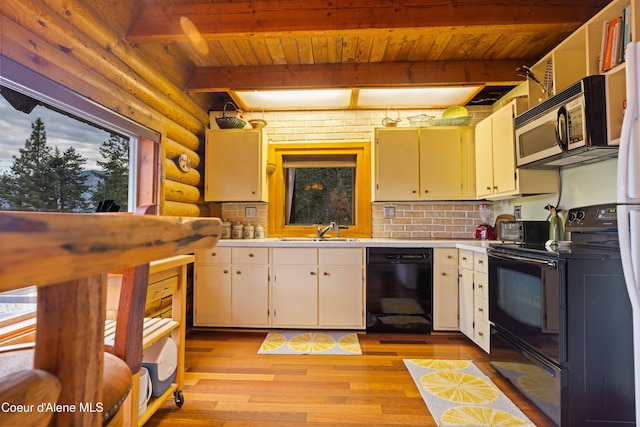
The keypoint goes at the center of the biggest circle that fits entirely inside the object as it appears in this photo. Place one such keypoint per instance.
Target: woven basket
(452, 121)
(421, 120)
(228, 122)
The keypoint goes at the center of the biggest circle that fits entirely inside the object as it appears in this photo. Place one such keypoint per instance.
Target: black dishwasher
(399, 290)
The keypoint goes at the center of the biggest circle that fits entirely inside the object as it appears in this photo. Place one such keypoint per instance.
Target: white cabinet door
(466, 294)
(397, 164)
(341, 298)
(235, 165)
(445, 290)
(212, 295)
(295, 295)
(250, 295)
(440, 163)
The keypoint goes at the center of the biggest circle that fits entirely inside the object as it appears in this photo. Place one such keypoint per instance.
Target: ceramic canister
(237, 231)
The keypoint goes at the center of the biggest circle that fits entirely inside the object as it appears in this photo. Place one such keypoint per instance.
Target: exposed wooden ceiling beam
(286, 18)
(492, 72)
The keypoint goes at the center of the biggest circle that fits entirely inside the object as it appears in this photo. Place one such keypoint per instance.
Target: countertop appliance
(399, 290)
(524, 231)
(570, 128)
(628, 198)
(561, 322)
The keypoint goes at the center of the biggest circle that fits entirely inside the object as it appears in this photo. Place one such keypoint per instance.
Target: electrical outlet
(517, 212)
(250, 212)
(389, 211)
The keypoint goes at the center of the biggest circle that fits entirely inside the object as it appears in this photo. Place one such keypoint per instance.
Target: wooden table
(68, 256)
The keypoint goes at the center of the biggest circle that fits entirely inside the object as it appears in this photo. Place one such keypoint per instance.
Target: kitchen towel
(457, 393)
(311, 343)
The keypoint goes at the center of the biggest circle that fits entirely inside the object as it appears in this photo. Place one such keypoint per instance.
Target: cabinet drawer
(446, 256)
(295, 256)
(482, 335)
(215, 255)
(250, 255)
(465, 259)
(480, 262)
(340, 256)
(481, 306)
(481, 288)
(161, 289)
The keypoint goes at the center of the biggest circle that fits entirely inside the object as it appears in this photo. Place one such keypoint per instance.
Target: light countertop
(468, 244)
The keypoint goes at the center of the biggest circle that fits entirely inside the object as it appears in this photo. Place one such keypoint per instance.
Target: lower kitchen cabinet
(474, 294)
(294, 292)
(341, 287)
(445, 290)
(232, 287)
(318, 288)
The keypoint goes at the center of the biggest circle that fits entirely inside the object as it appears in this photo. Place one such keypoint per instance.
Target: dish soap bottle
(556, 234)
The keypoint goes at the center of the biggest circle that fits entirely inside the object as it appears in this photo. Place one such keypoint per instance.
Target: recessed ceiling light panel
(416, 97)
(296, 99)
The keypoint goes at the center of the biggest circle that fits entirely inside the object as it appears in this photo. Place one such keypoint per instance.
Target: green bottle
(555, 226)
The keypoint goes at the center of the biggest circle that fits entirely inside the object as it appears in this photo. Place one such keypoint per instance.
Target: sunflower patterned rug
(311, 343)
(457, 393)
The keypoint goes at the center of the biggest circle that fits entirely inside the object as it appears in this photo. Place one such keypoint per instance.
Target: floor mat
(311, 343)
(457, 393)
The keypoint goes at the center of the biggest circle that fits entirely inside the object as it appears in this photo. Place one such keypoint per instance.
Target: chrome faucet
(332, 226)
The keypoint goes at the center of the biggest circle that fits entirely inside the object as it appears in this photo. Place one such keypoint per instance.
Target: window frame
(145, 163)
(362, 188)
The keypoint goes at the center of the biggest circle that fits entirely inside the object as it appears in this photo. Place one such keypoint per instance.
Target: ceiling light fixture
(363, 98)
(295, 99)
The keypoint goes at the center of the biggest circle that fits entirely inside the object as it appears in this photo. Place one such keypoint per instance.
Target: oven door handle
(548, 263)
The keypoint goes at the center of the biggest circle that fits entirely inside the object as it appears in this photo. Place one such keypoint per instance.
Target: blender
(484, 231)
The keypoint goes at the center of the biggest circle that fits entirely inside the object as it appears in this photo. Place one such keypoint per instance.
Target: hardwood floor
(228, 384)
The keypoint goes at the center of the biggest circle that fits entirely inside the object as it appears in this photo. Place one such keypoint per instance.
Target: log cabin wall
(69, 42)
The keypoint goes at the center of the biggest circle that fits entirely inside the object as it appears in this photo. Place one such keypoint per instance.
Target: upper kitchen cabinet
(496, 173)
(235, 165)
(433, 163)
(579, 56)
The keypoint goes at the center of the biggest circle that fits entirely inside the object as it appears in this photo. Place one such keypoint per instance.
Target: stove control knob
(571, 217)
(580, 215)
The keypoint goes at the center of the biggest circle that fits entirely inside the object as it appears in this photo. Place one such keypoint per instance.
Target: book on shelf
(616, 34)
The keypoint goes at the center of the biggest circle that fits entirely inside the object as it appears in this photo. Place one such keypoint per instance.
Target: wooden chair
(121, 360)
(69, 363)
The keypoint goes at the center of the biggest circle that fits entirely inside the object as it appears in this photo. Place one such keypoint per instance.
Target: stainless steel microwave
(569, 128)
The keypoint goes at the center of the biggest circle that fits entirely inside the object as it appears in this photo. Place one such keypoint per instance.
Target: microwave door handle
(547, 263)
(562, 136)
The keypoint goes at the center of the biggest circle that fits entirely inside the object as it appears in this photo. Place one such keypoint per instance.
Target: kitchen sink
(317, 239)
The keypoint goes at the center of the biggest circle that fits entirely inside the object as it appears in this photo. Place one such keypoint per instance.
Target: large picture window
(60, 151)
(315, 184)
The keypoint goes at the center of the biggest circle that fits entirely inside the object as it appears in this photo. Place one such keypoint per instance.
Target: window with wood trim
(317, 183)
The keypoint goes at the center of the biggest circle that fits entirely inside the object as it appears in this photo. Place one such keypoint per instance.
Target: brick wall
(447, 220)
(429, 220)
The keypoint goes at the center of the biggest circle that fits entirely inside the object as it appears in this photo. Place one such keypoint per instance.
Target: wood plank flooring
(228, 384)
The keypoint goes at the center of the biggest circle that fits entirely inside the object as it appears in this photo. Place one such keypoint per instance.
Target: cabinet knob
(480, 334)
(464, 258)
(495, 188)
(213, 254)
(238, 272)
(480, 286)
(480, 309)
(414, 191)
(251, 255)
(444, 274)
(489, 188)
(326, 273)
(480, 262)
(225, 271)
(313, 273)
(449, 257)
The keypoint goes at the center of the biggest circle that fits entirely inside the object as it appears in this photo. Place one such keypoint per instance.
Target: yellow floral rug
(311, 343)
(457, 393)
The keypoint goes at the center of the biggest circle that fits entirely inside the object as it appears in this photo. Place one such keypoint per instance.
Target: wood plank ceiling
(214, 47)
